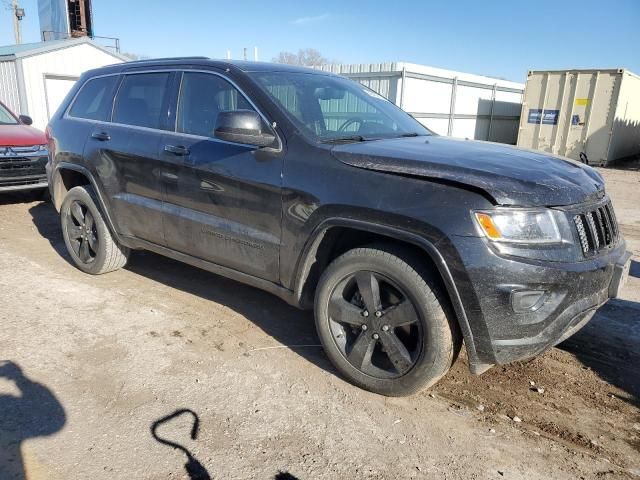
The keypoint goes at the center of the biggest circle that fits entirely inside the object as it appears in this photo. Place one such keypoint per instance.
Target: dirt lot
(98, 360)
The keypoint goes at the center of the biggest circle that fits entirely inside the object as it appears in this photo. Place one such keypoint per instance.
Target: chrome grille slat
(594, 232)
(606, 225)
(597, 228)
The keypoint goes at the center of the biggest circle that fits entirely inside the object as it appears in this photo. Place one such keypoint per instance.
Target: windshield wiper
(350, 138)
(410, 134)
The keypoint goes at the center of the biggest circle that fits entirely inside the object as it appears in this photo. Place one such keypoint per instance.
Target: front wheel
(384, 321)
(89, 242)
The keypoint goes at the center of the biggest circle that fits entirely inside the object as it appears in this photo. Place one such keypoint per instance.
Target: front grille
(20, 183)
(597, 229)
(21, 166)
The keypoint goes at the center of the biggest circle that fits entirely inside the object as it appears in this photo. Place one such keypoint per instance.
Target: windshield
(333, 108)
(6, 118)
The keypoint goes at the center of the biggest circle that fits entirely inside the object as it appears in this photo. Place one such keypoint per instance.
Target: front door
(223, 200)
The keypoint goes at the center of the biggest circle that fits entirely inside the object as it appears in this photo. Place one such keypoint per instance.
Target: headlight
(515, 225)
(43, 148)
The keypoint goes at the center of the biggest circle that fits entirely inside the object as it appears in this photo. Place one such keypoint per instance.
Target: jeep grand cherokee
(317, 189)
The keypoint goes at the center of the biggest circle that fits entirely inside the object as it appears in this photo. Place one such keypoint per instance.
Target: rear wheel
(88, 240)
(383, 321)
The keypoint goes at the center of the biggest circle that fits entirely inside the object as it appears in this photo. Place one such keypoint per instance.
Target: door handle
(176, 149)
(169, 177)
(102, 136)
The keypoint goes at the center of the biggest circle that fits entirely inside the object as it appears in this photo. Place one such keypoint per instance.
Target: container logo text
(550, 117)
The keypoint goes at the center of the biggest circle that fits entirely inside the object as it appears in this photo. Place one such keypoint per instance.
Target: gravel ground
(97, 361)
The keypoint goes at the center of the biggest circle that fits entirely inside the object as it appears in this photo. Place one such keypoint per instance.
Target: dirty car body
(524, 244)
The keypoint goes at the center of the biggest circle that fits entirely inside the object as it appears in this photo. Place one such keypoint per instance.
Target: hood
(20, 136)
(512, 176)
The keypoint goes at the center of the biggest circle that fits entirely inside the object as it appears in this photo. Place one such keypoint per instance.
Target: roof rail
(150, 60)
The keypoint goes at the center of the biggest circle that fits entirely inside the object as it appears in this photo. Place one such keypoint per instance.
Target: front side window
(202, 97)
(5, 116)
(95, 99)
(331, 108)
(140, 100)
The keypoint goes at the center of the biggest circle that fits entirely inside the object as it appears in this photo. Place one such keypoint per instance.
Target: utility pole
(18, 15)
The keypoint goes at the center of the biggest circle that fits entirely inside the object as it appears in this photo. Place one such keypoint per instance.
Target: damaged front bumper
(518, 308)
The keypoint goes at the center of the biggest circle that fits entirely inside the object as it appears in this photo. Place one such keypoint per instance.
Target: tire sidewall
(427, 368)
(82, 195)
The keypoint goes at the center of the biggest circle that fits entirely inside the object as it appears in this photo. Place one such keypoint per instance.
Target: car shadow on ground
(609, 345)
(634, 271)
(286, 324)
(27, 411)
(22, 196)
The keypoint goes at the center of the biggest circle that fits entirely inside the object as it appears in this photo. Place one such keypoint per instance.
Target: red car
(23, 153)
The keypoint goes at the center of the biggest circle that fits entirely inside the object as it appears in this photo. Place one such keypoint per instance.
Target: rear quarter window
(95, 99)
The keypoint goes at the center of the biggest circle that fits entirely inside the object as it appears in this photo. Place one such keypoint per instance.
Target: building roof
(381, 69)
(12, 52)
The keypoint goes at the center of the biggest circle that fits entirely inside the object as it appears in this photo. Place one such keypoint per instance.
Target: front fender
(432, 249)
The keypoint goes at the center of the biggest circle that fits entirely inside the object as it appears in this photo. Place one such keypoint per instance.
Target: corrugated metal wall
(9, 86)
(447, 102)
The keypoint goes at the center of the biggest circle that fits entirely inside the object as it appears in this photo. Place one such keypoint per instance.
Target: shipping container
(587, 115)
(447, 102)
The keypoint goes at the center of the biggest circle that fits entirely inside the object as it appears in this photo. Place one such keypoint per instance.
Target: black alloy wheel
(82, 231)
(90, 243)
(375, 325)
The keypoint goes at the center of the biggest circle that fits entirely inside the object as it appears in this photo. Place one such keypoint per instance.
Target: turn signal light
(488, 226)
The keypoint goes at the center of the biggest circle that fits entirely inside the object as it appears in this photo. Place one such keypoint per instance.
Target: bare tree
(309, 57)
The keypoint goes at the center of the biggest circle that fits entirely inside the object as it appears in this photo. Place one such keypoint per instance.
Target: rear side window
(95, 99)
(140, 100)
(202, 97)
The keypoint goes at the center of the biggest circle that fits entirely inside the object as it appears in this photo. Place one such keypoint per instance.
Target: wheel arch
(67, 176)
(321, 249)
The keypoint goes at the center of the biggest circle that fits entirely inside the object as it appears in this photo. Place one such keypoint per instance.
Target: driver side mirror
(25, 119)
(243, 126)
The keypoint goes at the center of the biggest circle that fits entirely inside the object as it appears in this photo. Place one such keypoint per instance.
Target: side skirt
(273, 288)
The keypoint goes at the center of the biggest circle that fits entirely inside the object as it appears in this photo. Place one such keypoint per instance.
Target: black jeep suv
(317, 189)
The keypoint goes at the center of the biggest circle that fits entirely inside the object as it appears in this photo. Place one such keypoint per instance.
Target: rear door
(125, 154)
(223, 200)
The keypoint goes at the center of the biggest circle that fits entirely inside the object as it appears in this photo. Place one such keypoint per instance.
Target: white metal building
(35, 77)
(449, 103)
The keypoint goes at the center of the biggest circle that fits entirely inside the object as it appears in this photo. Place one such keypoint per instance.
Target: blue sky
(497, 38)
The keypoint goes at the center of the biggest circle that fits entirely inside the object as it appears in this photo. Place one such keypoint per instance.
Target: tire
(370, 356)
(89, 242)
